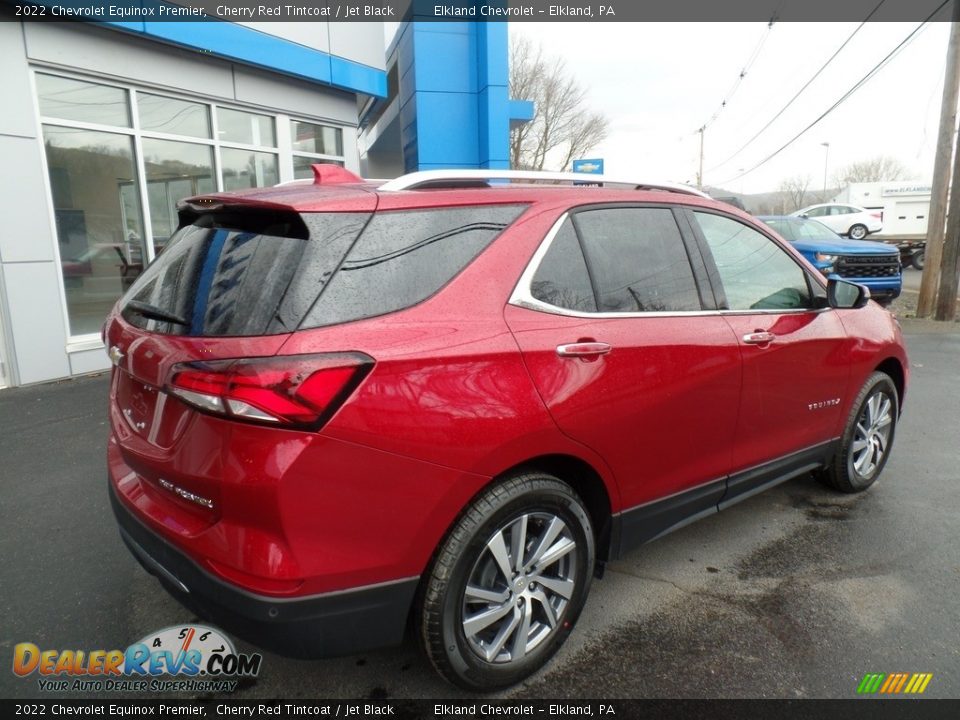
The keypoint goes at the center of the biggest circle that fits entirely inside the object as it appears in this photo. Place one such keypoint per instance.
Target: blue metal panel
(362, 78)
(452, 65)
(521, 110)
(447, 128)
(244, 44)
(459, 111)
(494, 127)
(494, 60)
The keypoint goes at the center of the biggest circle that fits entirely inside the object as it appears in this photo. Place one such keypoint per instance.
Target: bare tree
(794, 190)
(879, 168)
(562, 129)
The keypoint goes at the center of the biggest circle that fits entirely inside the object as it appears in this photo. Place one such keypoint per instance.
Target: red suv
(340, 409)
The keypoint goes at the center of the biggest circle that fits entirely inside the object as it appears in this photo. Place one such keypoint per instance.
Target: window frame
(282, 150)
(522, 295)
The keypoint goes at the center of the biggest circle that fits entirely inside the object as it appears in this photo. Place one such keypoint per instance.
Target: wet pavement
(794, 593)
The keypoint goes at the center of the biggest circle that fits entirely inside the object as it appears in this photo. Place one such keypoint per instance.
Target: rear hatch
(193, 341)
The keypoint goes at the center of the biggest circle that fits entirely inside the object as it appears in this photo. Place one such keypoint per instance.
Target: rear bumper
(327, 625)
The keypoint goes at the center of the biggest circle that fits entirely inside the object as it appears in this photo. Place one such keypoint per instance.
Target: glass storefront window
(312, 138)
(95, 175)
(175, 170)
(174, 117)
(243, 127)
(69, 99)
(99, 227)
(248, 169)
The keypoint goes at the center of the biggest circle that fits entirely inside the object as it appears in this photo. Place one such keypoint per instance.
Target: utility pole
(946, 306)
(826, 162)
(930, 281)
(700, 171)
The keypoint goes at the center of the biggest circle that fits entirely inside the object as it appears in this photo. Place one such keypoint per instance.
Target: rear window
(265, 273)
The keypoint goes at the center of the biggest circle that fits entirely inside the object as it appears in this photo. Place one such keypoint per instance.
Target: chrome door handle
(761, 337)
(583, 349)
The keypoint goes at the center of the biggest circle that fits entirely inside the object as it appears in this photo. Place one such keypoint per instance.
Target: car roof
(346, 192)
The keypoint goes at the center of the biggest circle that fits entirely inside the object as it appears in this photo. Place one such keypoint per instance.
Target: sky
(658, 82)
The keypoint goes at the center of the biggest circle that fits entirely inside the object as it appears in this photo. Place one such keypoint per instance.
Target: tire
(918, 258)
(858, 232)
(462, 642)
(867, 438)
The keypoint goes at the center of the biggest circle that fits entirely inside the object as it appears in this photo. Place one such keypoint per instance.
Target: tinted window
(240, 274)
(818, 212)
(404, 257)
(757, 274)
(813, 230)
(562, 279)
(784, 227)
(637, 260)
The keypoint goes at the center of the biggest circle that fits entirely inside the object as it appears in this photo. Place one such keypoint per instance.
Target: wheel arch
(894, 369)
(586, 482)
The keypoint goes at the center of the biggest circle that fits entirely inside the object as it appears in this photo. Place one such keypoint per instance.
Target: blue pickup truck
(874, 264)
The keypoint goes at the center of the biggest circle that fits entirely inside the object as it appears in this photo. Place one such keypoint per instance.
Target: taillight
(301, 391)
(877, 215)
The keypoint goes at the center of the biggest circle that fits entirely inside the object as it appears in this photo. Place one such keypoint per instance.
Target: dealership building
(107, 125)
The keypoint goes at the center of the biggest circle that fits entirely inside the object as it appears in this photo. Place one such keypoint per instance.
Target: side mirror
(846, 295)
(805, 215)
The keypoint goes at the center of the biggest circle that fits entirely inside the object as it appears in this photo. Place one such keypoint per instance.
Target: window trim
(522, 295)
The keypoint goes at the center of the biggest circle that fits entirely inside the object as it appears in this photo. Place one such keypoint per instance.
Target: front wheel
(868, 437)
(508, 583)
(858, 232)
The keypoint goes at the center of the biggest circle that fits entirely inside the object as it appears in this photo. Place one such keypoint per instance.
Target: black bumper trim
(328, 625)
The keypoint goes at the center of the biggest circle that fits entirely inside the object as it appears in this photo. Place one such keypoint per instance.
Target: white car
(850, 220)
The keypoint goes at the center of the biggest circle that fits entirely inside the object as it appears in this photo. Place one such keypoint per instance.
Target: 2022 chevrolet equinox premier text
(340, 408)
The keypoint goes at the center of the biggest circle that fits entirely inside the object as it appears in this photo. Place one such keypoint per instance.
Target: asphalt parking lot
(794, 593)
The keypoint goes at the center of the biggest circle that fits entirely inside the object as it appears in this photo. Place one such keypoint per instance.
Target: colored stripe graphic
(894, 683)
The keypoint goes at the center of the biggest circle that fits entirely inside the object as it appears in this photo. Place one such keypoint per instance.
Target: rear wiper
(154, 313)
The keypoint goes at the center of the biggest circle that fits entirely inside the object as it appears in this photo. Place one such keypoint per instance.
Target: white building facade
(106, 126)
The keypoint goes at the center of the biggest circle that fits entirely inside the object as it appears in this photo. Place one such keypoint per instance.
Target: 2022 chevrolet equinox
(343, 409)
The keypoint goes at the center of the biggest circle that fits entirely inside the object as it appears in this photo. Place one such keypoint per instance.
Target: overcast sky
(659, 82)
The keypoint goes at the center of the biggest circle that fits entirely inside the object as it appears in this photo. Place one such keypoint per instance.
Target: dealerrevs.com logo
(186, 658)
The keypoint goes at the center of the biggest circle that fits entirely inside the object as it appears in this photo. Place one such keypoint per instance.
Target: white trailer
(904, 205)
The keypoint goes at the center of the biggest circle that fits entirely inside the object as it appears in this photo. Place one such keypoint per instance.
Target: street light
(826, 159)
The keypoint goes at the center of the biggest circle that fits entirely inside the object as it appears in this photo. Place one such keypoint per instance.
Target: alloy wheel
(871, 438)
(519, 587)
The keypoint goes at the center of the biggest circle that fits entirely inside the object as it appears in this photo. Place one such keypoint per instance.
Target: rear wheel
(858, 232)
(918, 258)
(508, 583)
(868, 437)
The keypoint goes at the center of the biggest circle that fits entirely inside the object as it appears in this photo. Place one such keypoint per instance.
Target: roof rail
(451, 178)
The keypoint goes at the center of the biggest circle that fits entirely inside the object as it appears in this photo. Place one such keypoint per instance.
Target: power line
(801, 90)
(743, 73)
(866, 78)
